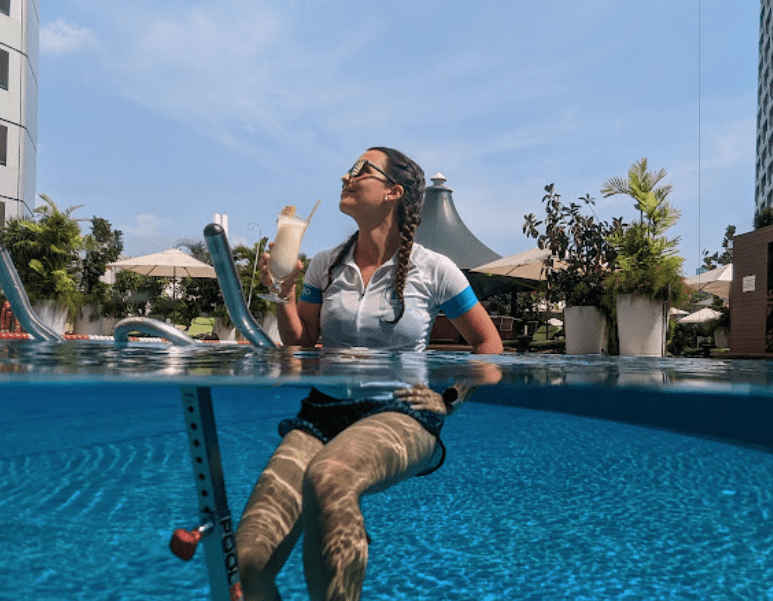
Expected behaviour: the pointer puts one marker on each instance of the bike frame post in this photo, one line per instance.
(219, 540)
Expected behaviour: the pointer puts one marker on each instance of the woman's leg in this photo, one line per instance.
(269, 527)
(369, 456)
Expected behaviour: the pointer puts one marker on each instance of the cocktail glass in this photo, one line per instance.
(284, 252)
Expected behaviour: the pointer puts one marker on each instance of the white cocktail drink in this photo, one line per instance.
(283, 258)
(287, 246)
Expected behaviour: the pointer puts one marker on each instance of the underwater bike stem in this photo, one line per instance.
(216, 529)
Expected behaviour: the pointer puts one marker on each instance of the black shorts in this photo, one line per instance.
(324, 417)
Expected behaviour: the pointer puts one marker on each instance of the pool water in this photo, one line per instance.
(530, 504)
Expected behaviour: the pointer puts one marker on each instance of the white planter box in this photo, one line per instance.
(585, 329)
(108, 325)
(721, 337)
(641, 326)
(52, 314)
(222, 331)
(88, 321)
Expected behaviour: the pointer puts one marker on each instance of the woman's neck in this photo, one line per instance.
(376, 246)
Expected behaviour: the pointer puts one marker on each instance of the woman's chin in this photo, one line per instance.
(345, 206)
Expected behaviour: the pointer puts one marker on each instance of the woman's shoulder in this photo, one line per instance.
(327, 256)
(426, 258)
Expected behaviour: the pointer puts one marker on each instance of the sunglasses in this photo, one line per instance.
(361, 164)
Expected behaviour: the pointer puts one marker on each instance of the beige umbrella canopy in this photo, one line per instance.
(702, 316)
(527, 265)
(716, 282)
(172, 263)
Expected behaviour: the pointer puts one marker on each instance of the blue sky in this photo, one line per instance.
(156, 115)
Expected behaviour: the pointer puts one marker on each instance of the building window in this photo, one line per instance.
(3, 145)
(3, 69)
(5, 7)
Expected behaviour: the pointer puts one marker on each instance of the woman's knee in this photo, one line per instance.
(253, 553)
(328, 481)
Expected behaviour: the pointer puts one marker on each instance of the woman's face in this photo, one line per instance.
(369, 191)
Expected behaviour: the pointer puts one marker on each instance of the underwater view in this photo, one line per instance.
(530, 503)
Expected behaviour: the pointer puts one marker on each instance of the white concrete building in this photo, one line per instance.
(763, 190)
(19, 30)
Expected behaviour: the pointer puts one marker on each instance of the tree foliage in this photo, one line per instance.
(763, 218)
(199, 296)
(726, 256)
(580, 241)
(45, 252)
(102, 246)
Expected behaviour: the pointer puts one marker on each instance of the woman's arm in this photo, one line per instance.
(298, 321)
(479, 331)
(476, 374)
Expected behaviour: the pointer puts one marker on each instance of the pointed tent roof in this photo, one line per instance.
(443, 230)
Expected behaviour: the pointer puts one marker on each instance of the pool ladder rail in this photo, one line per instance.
(227, 278)
(11, 284)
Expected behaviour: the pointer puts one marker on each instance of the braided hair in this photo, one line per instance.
(411, 177)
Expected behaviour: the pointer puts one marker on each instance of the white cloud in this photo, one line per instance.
(145, 225)
(60, 37)
(149, 233)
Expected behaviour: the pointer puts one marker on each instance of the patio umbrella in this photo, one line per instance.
(526, 265)
(172, 263)
(702, 316)
(716, 282)
(675, 313)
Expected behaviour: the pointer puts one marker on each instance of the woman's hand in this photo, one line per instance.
(422, 398)
(287, 286)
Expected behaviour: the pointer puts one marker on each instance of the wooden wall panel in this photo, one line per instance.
(748, 310)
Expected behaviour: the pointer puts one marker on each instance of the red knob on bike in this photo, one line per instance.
(183, 543)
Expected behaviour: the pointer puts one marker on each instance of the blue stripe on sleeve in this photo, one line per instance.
(311, 295)
(460, 304)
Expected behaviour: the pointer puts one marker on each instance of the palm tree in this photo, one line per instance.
(647, 260)
(651, 199)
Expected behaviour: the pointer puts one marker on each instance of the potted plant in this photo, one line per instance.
(45, 252)
(580, 244)
(647, 276)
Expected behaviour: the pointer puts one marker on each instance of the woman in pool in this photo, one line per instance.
(379, 290)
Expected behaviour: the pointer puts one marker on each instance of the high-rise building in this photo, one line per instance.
(19, 29)
(763, 191)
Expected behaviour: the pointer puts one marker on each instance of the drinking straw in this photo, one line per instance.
(314, 209)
